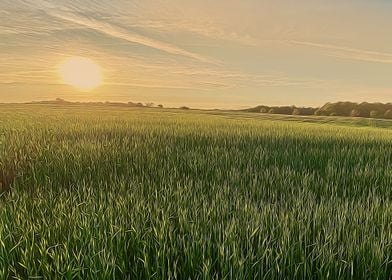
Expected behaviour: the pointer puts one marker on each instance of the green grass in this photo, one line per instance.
(105, 193)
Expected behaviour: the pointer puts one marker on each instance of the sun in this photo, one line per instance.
(80, 72)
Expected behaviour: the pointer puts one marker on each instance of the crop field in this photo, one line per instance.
(105, 192)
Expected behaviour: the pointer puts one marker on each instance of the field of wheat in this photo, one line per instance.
(102, 192)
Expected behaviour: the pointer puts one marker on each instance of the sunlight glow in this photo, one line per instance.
(80, 72)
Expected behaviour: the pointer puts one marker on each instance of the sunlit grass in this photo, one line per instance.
(144, 193)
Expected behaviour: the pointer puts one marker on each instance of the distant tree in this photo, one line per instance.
(271, 111)
(355, 113)
(283, 110)
(339, 108)
(296, 111)
(307, 111)
(160, 106)
(364, 109)
(184, 108)
(318, 112)
(150, 104)
(374, 114)
(388, 114)
(263, 110)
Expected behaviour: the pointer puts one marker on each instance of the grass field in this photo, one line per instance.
(100, 193)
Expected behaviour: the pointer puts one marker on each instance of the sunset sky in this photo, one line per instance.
(221, 53)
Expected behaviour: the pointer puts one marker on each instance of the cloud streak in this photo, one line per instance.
(121, 33)
(349, 53)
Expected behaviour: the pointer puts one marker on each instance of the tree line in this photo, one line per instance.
(60, 101)
(344, 109)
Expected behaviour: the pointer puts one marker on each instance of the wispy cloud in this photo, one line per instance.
(208, 29)
(121, 33)
(349, 53)
(78, 13)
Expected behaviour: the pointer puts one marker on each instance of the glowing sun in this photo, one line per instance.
(80, 72)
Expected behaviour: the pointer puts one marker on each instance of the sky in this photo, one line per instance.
(206, 54)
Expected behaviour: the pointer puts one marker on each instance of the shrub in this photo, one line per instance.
(355, 113)
(374, 114)
(296, 112)
(388, 114)
(263, 110)
(271, 111)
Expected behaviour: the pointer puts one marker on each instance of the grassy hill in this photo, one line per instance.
(100, 192)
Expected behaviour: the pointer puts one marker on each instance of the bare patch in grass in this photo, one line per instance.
(7, 177)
